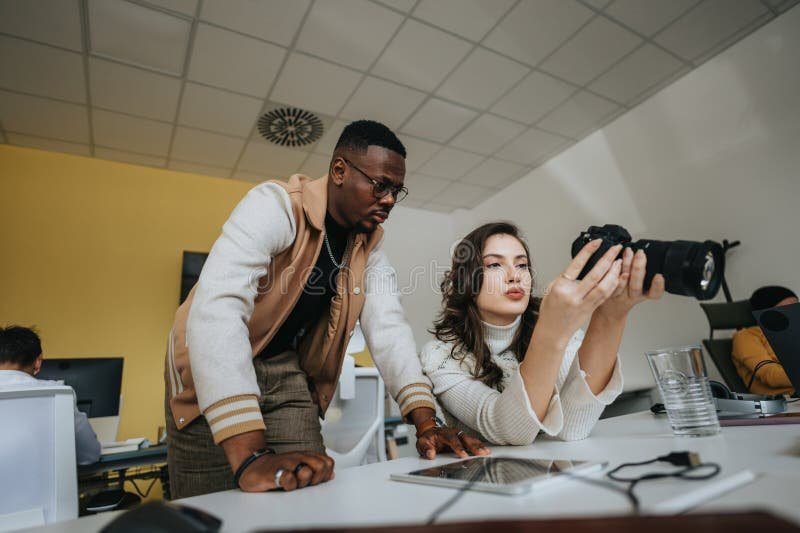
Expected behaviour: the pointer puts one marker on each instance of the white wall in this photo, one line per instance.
(418, 243)
(715, 155)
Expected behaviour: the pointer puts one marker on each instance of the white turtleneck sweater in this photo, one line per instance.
(503, 415)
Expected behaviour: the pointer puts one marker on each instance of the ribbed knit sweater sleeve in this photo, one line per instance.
(260, 227)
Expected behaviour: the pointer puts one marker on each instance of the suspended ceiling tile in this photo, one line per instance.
(450, 163)
(708, 24)
(438, 120)
(41, 117)
(531, 145)
(439, 208)
(493, 173)
(252, 72)
(135, 34)
(529, 101)
(328, 31)
(487, 134)
(313, 84)
(217, 110)
(42, 70)
(434, 53)
(470, 19)
(482, 78)
(272, 20)
(133, 90)
(327, 143)
(422, 188)
(51, 145)
(128, 157)
(57, 23)
(577, 115)
(186, 7)
(636, 73)
(133, 134)
(272, 160)
(206, 148)
(595, 48)
(463, 195)
(315, 166)
(532, 30)
(382, 101)
(402, 5)
(418, 152)
(648, 16)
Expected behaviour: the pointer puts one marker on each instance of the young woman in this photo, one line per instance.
(506, 365)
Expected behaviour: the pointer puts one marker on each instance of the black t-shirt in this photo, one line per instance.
(317, 293)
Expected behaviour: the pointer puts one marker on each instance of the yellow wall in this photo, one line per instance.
(90, 253)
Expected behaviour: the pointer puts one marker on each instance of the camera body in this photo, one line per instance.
(690, 268)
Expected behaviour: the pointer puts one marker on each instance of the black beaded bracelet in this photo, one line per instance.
(247, 462)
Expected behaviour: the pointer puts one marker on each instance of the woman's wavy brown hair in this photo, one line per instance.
(459, 322)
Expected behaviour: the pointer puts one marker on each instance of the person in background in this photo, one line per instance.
(20, 362)
(756, 363)
(506, 365)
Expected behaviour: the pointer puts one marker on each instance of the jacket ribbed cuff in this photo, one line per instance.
(413, 396)
(233, 416)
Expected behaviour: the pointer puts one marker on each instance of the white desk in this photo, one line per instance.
(365, 495)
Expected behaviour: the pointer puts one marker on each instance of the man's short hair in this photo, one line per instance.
(769, 296)
(19, 346)
(362, 134)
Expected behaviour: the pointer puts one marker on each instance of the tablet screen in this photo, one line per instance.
(497, 470)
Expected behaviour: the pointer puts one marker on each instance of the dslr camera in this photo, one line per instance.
(690, 268)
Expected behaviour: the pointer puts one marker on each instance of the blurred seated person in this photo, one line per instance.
(20, 361)
(756, 363)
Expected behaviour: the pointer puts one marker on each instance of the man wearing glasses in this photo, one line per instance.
(257, 347)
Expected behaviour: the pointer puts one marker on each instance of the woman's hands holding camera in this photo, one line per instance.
(629, 291)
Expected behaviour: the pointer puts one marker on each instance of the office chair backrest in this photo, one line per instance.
(726, 316)
(38, 473)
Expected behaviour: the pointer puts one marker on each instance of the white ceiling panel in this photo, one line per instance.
(314, 84)
(533, 29)
(450, 163)
(418, 152)
(487, 134)
(272, 20)
(382, 101)
(481, 79)
(420, 56)
(44, 118)
(708, 24)
(636, 73)
(597, 4)
(648, 16)
(133, 90)
(251, 72)
(42, 70)
(51, 145)
(531, 146)
(533, 98)
(138, 35)
(439, 208)
(402, 5)
(578, 115)
(327, 142)
(438, 120)
(127, 157)
(186, 7)
(217, 110)
(272, 160)
(194, 168)
(316, 165)
(422, 188)
(463, 195)
(470, 19)
(206, 148)
(598, 45)
(57, 23)
(133, 134)
(329, 31)
(493, 173)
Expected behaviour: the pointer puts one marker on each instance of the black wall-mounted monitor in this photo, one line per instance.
(97, 382)
(190, 272)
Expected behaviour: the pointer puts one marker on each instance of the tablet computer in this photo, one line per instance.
(503, 475)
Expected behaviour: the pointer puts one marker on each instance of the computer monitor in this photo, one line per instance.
(97, 382)
(190, 271)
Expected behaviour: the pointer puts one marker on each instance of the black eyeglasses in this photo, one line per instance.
(380, 188)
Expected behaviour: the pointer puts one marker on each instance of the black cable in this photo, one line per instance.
(138, 490)
(758, 367)
(453, 499)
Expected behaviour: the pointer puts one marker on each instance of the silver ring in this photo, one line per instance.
(278, 473)
(460, 434)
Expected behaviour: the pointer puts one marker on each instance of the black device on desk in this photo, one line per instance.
(97, 382)
(781, 327)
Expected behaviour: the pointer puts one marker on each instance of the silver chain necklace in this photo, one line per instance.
(330, 253)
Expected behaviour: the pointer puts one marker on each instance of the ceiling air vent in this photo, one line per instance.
(289, 126)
